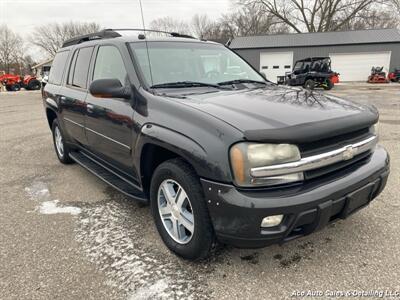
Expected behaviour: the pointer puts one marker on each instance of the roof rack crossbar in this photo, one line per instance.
(112, 33)
(173, 34)
(104, 34)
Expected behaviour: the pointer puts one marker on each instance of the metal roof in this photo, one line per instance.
(371, 36)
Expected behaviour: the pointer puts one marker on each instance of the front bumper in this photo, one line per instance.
(237, 214)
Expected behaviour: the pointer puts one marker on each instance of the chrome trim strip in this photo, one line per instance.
(73, 122)
(317, 161)
(108, 138)
(52, 102)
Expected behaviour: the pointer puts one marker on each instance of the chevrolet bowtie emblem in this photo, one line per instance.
(349, 152)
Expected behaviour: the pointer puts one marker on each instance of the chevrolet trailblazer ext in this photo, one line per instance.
(220, 153)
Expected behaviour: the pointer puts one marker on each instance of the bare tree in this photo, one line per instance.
(169, 24)
(252, 19)
(11, 48)
(246, 20)
(374, 18)
(396, 4)
(314, 15)
(201, 24)
(50, 37)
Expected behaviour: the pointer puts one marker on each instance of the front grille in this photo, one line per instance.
(332, 143)
(359, 160)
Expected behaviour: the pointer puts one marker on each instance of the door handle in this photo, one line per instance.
(89, 107)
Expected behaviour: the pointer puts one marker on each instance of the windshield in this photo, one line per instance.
(187, 61)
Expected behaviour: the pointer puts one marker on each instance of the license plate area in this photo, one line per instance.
(359, 198)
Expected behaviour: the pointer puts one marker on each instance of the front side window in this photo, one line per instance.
(187, 61)
(57, 67)
(80, 67)
(109, 65)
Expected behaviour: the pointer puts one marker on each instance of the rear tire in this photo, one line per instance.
(309, 84)
(61, 148)
(328, 85)
(181, 179)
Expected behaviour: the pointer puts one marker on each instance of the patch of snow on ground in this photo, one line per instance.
(51, 208)
(39, 191)
(113, 236)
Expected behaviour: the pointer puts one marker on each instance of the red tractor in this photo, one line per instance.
(11, 82)
(31, 83)
(14, 83)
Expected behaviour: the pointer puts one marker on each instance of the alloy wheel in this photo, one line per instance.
(175, 211)
(59, 141)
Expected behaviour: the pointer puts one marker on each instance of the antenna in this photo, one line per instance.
(145, 40)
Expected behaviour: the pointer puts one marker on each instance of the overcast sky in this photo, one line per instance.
(23, 15)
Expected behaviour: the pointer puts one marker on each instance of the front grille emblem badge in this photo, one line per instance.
(349, 152)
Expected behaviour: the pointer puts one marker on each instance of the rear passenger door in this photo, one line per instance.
(74, 94)
(109, 121)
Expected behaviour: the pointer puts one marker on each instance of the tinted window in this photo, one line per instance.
(57, 68)
(82, 67)
(109, 64)
(71, 68)
(165, 62)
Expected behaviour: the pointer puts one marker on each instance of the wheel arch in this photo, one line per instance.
(51, 116)
(157, 144)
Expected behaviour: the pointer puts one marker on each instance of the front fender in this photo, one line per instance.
(184, 146)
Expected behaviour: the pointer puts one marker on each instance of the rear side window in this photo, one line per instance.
(57, 67)
(109, 64)
(80, 67)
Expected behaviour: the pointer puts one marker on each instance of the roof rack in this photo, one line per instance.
(112, 33)
(104, 34)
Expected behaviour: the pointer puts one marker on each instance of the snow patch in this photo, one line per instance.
(156, 290)
(113, 235)
(51, 208)
(39, 191)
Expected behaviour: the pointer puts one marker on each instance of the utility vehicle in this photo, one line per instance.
(313, 72)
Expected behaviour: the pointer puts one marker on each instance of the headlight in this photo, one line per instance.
(245, 156)
(374, 129)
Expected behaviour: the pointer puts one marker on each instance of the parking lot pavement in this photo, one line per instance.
(64, 234)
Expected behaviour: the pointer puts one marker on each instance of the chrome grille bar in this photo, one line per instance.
(316, 161)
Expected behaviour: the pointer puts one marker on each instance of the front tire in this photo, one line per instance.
(33, 85)
(328, 85)
(61, 148)
(13, 88)
(180, 211)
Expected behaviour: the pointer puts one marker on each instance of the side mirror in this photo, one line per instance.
(109, 88)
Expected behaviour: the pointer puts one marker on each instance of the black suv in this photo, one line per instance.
(219, 153)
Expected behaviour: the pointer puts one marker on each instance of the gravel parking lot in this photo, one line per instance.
(64, 234)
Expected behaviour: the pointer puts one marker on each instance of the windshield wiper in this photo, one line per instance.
(241, 81)
(183, 84)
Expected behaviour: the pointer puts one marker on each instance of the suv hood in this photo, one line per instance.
(278, 114)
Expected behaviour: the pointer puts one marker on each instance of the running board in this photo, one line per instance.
(108, 176)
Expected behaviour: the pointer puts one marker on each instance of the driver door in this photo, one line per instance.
(109, 121)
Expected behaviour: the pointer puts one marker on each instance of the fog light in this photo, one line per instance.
(272, 221)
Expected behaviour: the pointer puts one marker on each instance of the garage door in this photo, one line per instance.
(357, 66)
(275, 64)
